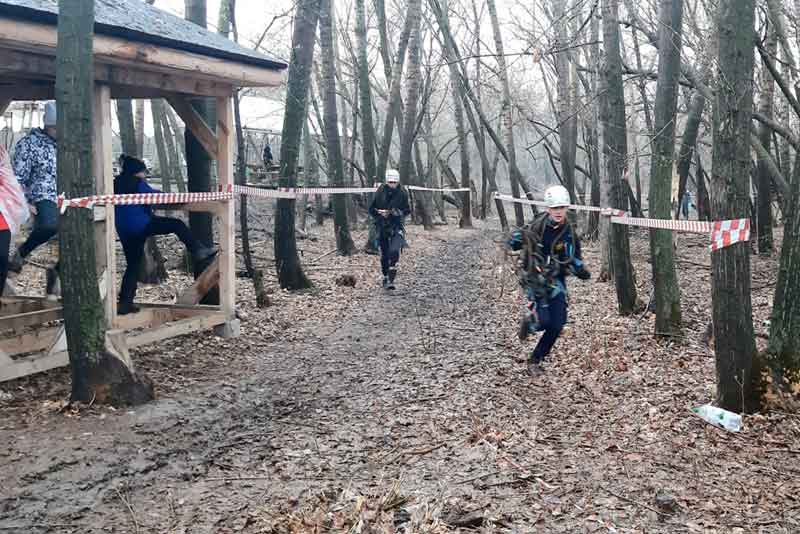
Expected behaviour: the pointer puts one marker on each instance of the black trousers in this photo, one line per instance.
(390, 255)
(134, 251)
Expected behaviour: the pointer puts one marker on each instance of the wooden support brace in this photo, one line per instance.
(204, 283)
(195, 123)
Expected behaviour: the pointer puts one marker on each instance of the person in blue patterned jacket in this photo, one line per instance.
(34, 164)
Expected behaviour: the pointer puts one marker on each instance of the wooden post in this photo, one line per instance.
(227, 249)
(105, 235)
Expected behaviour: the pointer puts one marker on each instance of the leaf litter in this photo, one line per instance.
(351, 409)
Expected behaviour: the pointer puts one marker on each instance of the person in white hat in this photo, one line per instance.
(388, 209)
(35, 166)
(549, 251)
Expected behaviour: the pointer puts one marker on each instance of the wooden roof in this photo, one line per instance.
(140, 51)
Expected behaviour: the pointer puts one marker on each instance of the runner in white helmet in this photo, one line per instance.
(550, 250)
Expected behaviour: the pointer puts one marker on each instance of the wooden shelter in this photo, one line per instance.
(139, 52)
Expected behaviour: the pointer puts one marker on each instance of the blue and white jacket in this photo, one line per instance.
(35, 166)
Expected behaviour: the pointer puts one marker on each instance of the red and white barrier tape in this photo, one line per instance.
(141, 199)
(727, 233)
(722, 233)
(438, 189)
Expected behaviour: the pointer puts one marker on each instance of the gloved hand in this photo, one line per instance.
(581, 272)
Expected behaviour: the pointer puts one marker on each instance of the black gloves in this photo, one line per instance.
(581, 272)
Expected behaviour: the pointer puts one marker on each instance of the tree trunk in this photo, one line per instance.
(567, 119)
(139, 127)
(344, 243)
(783, 351)
(365, 94)
(393, 112)
(480, 135)
(198, 162)
(665, 279)
(407, 175)
(157, 111)
(453, 60)
(287, 260)
(127, 131)
(730, 281)
(458, 115)
(177, 146)
(506, 112)
(693, 120)
(99, 373)
(615, 151)
(763, 174)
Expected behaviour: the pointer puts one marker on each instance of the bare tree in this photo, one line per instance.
(344, 243)
(665, 279)
(99, 372)
(615, 151)
(730, 282)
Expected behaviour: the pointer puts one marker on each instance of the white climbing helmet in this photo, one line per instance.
(392, 176)
(556, 196)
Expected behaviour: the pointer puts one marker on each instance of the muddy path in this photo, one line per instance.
(410, 411)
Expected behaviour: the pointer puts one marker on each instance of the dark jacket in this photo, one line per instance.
(394, 199)
(131, 221)
(549, 250)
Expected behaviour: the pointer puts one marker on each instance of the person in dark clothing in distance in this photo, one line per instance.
(267, 156)
(136, 223)
(550, 252)
(388, 209)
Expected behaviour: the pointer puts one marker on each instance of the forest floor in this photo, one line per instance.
(346, 409)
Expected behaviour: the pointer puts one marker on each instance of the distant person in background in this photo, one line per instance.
(267, 156)
(389, 209)
(135, 223)
(35, 167)
(686, 203)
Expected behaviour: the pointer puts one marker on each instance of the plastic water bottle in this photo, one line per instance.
(718, 417)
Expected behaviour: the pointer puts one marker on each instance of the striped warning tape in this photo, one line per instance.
(438, 189)
(722, 233)
(142, 199)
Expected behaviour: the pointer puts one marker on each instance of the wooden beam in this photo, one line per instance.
(21, 320)
(37, 341)
(126, 82)
(227, 233)
(39, 38)
(104, 231)
(33, 364)
(177, 328)
(146, 318)
(17, 305)
(196, 124)
(204, 283)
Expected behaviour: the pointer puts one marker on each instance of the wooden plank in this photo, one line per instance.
(227, 239)
(16, 305)
(203, 207)
(207, 280)
(21, 320)
(146, 318)
(177, 328)
(195, 123)
(35, 79)
(104, 231)
(42, 38)
(33, 364)
(37, 341)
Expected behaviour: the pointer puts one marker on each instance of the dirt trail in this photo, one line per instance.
(420, 393)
